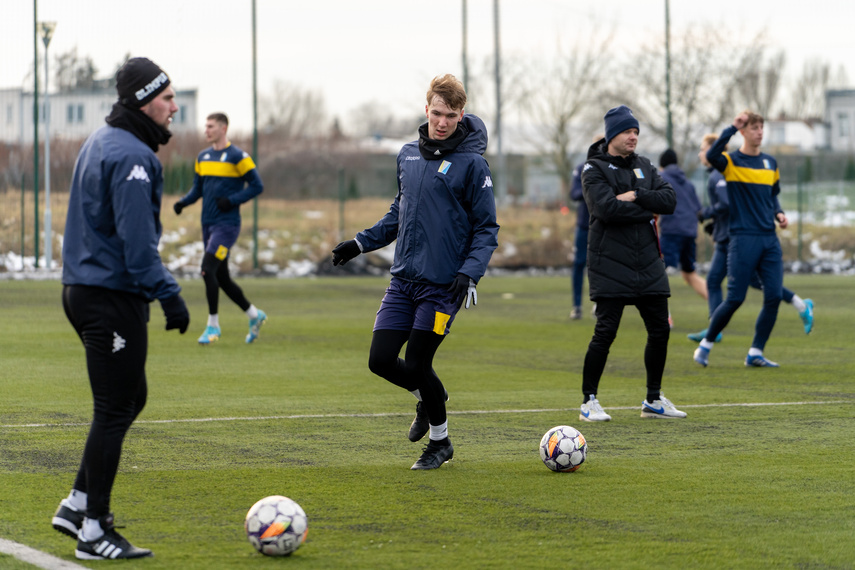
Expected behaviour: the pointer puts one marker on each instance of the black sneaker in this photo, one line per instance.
(421, 423)
(434, 455)
(67, 519)
(110, 546)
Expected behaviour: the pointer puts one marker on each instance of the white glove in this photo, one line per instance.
(471, 295)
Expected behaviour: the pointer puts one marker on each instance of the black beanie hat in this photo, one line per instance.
(618, 120)
(667, 158)
(139, 81)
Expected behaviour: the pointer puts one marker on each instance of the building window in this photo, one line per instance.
(69, 114)
(80, 113)
(843, 125)
(182, 114)
(9, 114)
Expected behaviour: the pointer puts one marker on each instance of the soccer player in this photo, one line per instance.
(717, 211)
(111, 271)
(225, 178)
(624, 191)
(679, 231)
(752, 179)
(444, 221)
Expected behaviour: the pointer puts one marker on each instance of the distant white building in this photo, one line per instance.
(796, 136)
(840, 116)
(75, 114)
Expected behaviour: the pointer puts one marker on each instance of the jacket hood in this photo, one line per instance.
(676, 173)
(599, 151)
(476, 140)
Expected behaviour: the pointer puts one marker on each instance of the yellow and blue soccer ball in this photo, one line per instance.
(563, 449)
(276, 526)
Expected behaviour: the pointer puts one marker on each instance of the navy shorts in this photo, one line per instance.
(219, 240)
(416, 306)
(679, 251)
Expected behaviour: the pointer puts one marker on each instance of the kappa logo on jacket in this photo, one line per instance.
(488, 182)
(138, 173)
(118, 342)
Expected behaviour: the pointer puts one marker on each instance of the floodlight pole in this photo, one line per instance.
(46, 31)
(36, 129)
(254, 142)
(502, 188)
(465, 54)
(669, 127)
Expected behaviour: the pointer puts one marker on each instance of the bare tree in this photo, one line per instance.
(807, 97)
(707, 69)
(760, 82)
(558, 98)
(293, 112)
(74, 72)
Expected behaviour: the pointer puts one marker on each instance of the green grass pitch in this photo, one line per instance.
(298, 413)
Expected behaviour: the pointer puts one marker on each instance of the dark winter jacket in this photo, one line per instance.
(444, 215)
(718, 209)
(576, 195)
(624, 259)
(113, 223)
(684, 221)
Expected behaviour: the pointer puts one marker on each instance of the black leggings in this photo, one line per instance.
(654, 312)
(415, 371)
(216, 276)
(114, 330)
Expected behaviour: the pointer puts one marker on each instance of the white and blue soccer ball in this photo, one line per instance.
(563, 449)
(276, 526)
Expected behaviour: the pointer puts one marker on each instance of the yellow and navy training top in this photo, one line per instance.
(753, 185)
(228, 173)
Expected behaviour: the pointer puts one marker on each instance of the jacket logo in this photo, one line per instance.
(206, 156)
(223, 157)
(587, 166)
(613, 167)
(638, 173)
(138, 173)
(444, 166)
(766, 164)
(118, 342)
(437, 153)
(488, 182)
(412, 158)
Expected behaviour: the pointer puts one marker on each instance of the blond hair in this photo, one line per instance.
(449, 89)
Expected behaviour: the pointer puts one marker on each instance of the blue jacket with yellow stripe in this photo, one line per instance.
(753, 184)
(444, 215)
(229, 173)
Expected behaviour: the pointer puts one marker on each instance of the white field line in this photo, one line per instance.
(400, 414)
(36, 557)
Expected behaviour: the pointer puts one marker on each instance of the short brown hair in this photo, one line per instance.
(449, 89)
(709, 139)
(219, 117)
(753, 117)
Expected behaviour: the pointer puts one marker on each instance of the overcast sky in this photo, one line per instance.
(381, 51)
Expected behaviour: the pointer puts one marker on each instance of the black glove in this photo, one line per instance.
(700, 217)
(345, 251)
(709, 228)
(224, 204)
(176, 313)
(463, 289)
(177, 206)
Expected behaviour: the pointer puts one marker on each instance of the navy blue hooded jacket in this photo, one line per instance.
(113, 224)
(444, 215)
(684, 221)
(582, 213)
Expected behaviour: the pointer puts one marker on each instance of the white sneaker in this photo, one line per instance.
(592, 411)
(661, 408)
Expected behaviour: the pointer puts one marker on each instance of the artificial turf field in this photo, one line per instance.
(759, 475)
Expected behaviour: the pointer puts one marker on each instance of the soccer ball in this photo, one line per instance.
(563, 449)
(276, 526)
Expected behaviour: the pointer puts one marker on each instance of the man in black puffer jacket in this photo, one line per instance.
(624, 191)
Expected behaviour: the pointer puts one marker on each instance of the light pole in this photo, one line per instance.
(46, 31)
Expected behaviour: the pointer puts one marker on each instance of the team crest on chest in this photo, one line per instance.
(444, 166)
(638, 173)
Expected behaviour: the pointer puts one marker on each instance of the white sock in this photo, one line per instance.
(417, 394)
(755, 352)
(252, 312)
(439, 432)
(798, 304)
(91, 530)
(706, 344)
(214, 321)
(78, 499)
